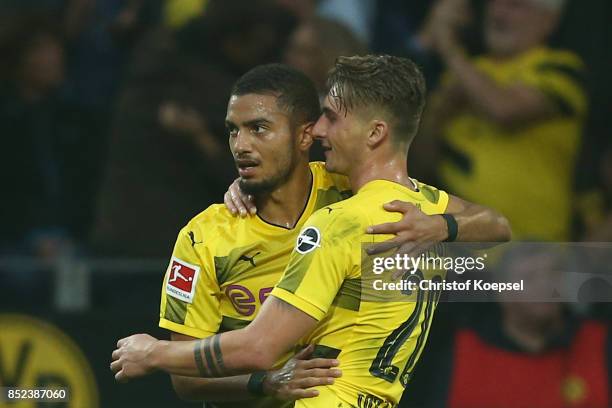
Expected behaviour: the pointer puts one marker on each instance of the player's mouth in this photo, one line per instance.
(246, 167)
(326, 150)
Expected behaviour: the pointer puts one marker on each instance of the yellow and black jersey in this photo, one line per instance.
(525, 172)
(377, 342)
(223, 267)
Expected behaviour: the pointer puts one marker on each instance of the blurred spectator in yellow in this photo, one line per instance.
(510, 120)
(315, 45)
(520, 352)
(177, 13)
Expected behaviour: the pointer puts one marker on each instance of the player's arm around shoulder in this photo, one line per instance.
(478, 223)
(209, 389)
(295, 380)
(464, 222)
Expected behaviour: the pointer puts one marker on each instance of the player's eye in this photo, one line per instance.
(258, 129)
(329, 115)
(233, 132)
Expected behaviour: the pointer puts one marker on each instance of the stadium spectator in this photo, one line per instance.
(358, 15)
(401, 28)
(42, 174)
(315, 45)
(238, 34)
(300, 9)
(98, 37)
(177, 13)
(509, 120)
(519, 353)
(101, 36)
(167, 153)
(156, 170)
(313, 48)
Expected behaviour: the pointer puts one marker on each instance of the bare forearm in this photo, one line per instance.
(254, 348)
(488, 97)
(212, 389)
(176, 358)
(208, 145)
(209, 389)
(481, 224)
(228, 354)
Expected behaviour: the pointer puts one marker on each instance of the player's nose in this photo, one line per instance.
(319, 130)
(242, 143)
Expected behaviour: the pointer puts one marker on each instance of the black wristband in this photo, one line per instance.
(453, 228)
(255, 384)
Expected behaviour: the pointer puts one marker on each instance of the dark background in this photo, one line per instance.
(103, 106)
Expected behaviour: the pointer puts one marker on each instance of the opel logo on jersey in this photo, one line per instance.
(308, 240)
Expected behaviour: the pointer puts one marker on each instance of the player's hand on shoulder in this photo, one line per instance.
(238, 202)
(131, 359)
(414, 233)
(296, 379)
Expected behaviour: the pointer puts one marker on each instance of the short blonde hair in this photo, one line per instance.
(386, 82)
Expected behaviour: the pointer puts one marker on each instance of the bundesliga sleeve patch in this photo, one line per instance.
(182, 280)
(308, 240)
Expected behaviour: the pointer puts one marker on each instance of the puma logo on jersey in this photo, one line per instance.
(192, 238)
(329, 209)
(249, 259)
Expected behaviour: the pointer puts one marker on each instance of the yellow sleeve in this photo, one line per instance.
(560, 75)
(189, 297)
(324, 255)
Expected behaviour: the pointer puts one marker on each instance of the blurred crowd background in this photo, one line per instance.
(112, 124)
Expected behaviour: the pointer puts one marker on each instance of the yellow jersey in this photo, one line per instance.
(223, 267)
(377, 342)
(525, 172)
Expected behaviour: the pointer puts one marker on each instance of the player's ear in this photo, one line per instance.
(378, 132)
(305, 136)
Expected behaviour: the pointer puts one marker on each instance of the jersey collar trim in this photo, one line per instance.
(306, 210)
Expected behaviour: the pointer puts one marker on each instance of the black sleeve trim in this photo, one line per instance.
(577, 75)
(561, 104)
